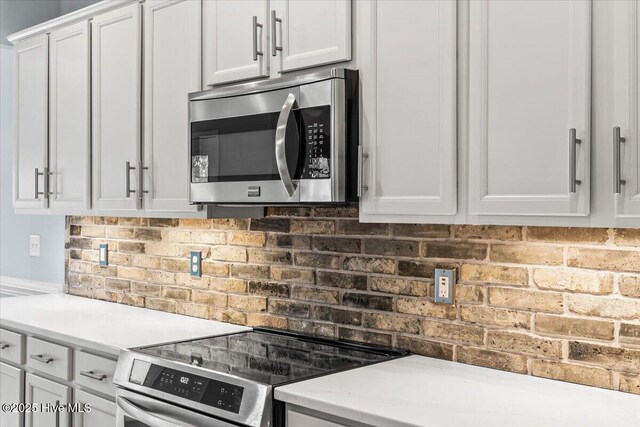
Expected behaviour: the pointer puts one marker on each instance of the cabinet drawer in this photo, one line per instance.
(11, 346)
(95, 372)
(49, 358)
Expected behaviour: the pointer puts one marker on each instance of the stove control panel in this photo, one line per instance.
(207, 391)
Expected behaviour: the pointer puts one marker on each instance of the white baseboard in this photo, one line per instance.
(17, 287)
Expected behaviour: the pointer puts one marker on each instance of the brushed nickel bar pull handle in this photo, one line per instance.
(573, 142)
(361, 156)
(274, 34)
(93, 375)
(4, 345)
(37, 191)
(41, 358)
(47, 186)
(617, 181)
(256, 52)
(127, 179)
(141, 179)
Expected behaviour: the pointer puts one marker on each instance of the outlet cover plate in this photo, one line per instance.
(104, 254)
(444, 277)
(195, 264)
(34, 245)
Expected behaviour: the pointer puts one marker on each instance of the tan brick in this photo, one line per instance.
(527, 254)
(365, 336)
(116, 258)
(308, 259)
(145, 289)
(426, 308)
(487, 232)
(231, 285)
(184, 251)
(144, 261)
(418, 288)
(453, 332)
(313, 226)
(162, 277)
(469, 294)
(161, 249)
(186, 279)
(126, 221)
(289, 308)
(310, 327)
(630, 333)
(425, 347)
(455, 250)
(298, 275)
(494, 274)
(231, 316)
(420, 230)
(573, 280)
(176, 235)
(523, 343)
(390, 322)
(92, 256)
(623, 359)
(395, 248)
(574, 327)
(314, 294)
(501, 317)
(229, 253)
(362, 228)
(131, 247)
(570, 372)
(93, 231)
(603, 259)
(422, 269)
(210, 298)
(117, 284)
(105, 271)
(521, 299)
(134, 300)
(367, 301)
(625, 236)
(336, 212)
(248, 303)
(338, 244)
(193, 310)
(132, 273)
(492, 359)
(173, 264)
(209, 237)
(590, 305)
(119, 232)
(256, 319)
(160, 304)
(147, 234)
(194, 223)
(163, 222)
(247, 238)
(369, 265)
(176, 293)
(260, 256)
(630, 383)
(215, 268)
(630, 286)
(80, 267)
(230, 224)
(567, 234)
(244, 271)
(103, 294)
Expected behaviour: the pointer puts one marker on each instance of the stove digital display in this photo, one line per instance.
(193, 387)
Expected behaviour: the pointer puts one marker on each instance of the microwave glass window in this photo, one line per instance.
(242, 148)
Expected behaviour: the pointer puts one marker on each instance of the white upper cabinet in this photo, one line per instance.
(172, 69)
(69, 126)
(30, 178)
(235, 40)
(626, 154)
(307, 33)
(407, 58)
(529, 112)
(116, 81)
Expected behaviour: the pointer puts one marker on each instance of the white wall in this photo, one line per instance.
(15, 229)
(67, 6)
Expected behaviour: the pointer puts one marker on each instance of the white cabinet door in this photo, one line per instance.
(102, 414)
(69, 127)
(116, 80)
(172, 69)
(626, 63)
(235, 40)
(307, 33)
(11, 391)
(30, 147)
(530, 68)
(45, 392)
(408, 107)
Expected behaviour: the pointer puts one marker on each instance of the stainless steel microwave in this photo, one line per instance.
(280, 142)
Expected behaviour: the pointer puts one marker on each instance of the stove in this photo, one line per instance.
(227, 380)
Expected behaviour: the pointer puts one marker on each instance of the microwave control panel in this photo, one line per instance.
(317, 133)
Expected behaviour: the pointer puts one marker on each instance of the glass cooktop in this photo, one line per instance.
(270, 357)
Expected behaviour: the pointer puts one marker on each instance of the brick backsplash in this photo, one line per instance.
(561, 303)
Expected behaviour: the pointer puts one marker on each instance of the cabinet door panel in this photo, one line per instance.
(627, 96)
(103, 412)
(409, 107)
(44, 392)
(528, 88)
(311, 33)
(69, 134)
(11, 391)
(229, 40)
(116, 59)
(172, 70)
(30, 146)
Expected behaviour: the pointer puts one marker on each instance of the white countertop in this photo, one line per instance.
(420, 391)
(100, 325)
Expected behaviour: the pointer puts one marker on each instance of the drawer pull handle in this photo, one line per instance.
(4, 345)
(41, 358)
(93, 375)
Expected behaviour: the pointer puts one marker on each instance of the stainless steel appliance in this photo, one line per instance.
(286, 141)
(226, 380)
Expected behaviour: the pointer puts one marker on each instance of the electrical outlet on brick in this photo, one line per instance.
(445, 280)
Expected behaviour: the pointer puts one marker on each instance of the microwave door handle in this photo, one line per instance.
(143, 416)
(281, 145)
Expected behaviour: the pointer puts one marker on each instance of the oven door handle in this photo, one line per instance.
(281, 145)
(143, 416)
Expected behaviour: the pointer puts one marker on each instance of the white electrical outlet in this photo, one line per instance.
(34, 245)
(443, 287)
(445, 281)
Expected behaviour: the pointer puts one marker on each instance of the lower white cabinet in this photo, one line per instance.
(102, 414)
(44, 392)
(11, 391)
(299, 418)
